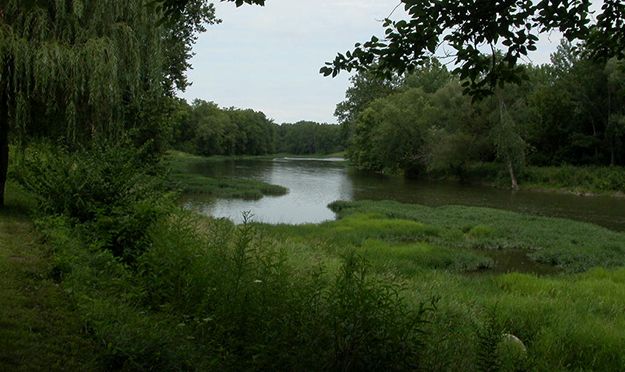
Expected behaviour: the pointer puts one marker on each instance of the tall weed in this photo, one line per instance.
(240, 298)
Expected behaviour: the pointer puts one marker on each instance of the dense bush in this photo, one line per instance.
(243, 301)
(107, 188)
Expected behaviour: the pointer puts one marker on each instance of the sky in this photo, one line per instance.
(268, 58)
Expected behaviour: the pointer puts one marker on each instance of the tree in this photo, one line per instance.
(457, 133)
(307, 137)
(176, 7)
(508, 142)
(430, 76)
(365, 88)
(615, 130)
(256, 133)
(390, 134)
(471, 26)
(79, 71)
(181, 33)
(210, 124)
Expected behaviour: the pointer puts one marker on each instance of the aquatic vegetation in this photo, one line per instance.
(182, 178)
(572, 246)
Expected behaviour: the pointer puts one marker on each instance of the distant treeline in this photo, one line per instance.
(203, 128)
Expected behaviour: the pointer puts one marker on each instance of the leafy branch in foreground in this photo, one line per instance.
(470, 27)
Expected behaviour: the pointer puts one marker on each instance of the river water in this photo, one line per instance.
(313, 184)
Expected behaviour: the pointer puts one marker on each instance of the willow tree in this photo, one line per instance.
(80, 71)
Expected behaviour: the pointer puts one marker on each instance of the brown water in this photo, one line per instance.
(313, 184)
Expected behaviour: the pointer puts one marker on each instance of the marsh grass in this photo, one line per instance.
(569, 245)
(182, 178)
(568, 317)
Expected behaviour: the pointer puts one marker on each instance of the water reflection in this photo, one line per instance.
(313, 184)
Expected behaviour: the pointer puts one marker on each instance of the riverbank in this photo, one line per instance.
(566, 179)
(577, 180)
(185, 177)
(388, 285)
(555, 284)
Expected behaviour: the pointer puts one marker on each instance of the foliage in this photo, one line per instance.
(77, 72)
(174, 7)
(568, 112)
(309, 138)
(594, 179)
(56, 58)
(182, 30)
(106, 188)
(390, 134)
(262, 318)
(470, 26)
(204, 128)
(227, 297)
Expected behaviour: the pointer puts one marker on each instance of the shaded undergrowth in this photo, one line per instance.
(39, 328)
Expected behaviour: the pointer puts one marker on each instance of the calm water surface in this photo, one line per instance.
(313, 184)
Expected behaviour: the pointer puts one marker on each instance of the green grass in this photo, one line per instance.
(580, 180)
(567, 320)
(207, 295)
(572, 246)
(39, 329)
(182, 178)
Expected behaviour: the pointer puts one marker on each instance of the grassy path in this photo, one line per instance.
(38, 329)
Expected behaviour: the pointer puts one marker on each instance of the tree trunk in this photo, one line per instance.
(515, 184)
(612, 155)
(502, 108)
(4, 147)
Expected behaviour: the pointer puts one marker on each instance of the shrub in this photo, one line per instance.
(107, 188)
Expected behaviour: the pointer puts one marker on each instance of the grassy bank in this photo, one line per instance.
(387, 286)
(39, 329)
(183, 178)
(210, 295)
(581, 180)
(555, 284)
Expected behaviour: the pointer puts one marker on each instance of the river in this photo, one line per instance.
(314, 183)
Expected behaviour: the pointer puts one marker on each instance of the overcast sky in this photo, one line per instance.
(268, 58)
